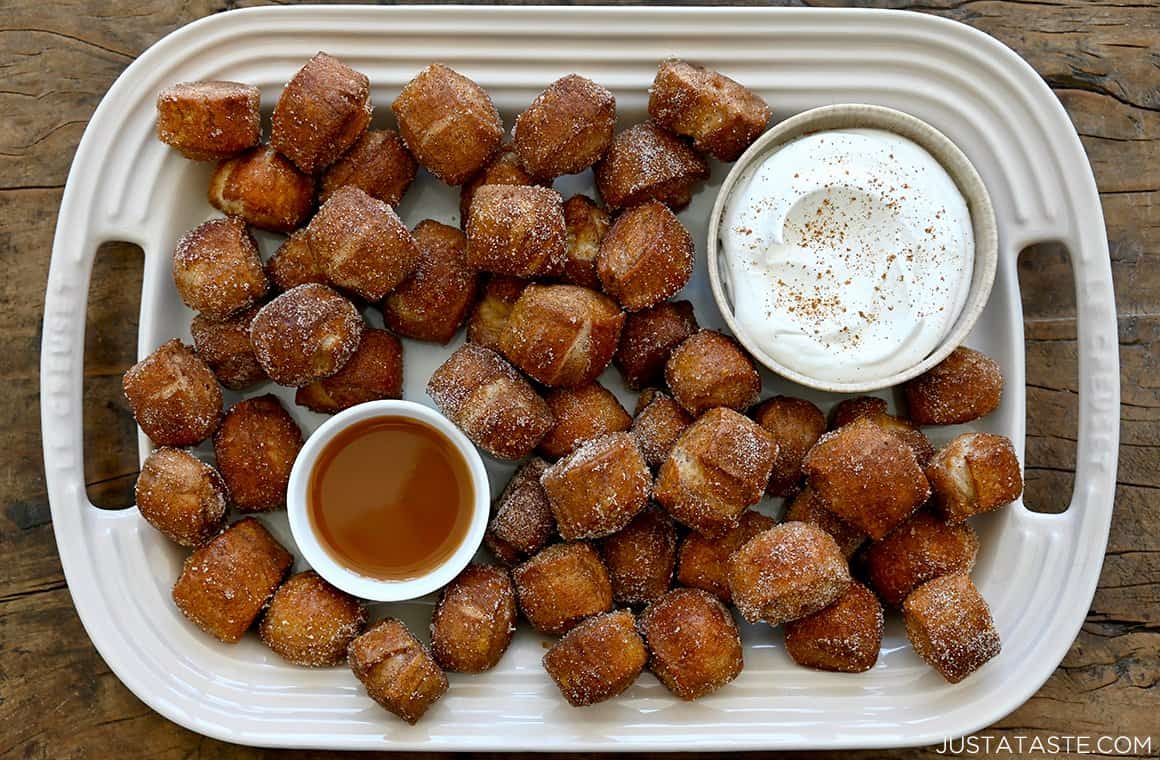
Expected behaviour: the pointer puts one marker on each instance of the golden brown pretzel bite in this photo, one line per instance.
(648, 339)
(598, 488)
(503, 169)
(226, 348)
(703, 562)
(806, 506)
(227, 581)
(722, 116)
(646, 163)
(474, 620)
(791, 570)
(640, 557)
(293, 264)
(962, 387)
(566, 129)
(920, 550)
(974, 473)
(562, 335)
(490, 402)
(709, 369)
(718, 467)
(217, 269)
(582, 413)
(848, 410)
(361, 244)
(374, 371)
(181, 496)
(908, 433)
(693, 642)
(255, 449)
(305, 334)
(657, 426)
(562, 585)
(950, 627)
(489, 317)
(448, 122)
(522, 521)
(585, 223)
(432, 303)
(378, 164)
(844, 637)
(264, 188)
(173, 396)
(209, 121)
(517, 230)
(311, 623)
(867, 476)
(321, 112)
(646, 257)
(597, 659)
(397, 670)
(796, 425)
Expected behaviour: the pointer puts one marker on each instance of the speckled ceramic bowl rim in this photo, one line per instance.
(970, 184)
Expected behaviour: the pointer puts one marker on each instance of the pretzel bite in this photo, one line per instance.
(504, 169)
(490, 315)
(307, 333)
(796, 425)
(562, 335)
(448, 122)
(598, 659)
(311, 623)
(646, 257)
(582, 413)
(851, 409)
(693, 642)
(791, 570)
(174, 396)
(293, 264)
(264, 188)
(321, 112)
(963, 387)
(181, 496)
(921, 549)
(844, 637)
(396, 670)
(432, 303)
(255, 449)
(562, 585)
(950, 627)
(807, 507)
(374, 371)
(225, 347)
(867, 476)
(517, 230)
(585, 223)
(521, 522)
(640, 557)
(217, 270)
(702, 562)
(378, 164)
(914, 438)
(361, 244)
(974, 473)
(474, 620)
(717, 468)
(648, 339)
(566, 129)
(709, 369)
(657, 426)
(225, 582)
(598, 488)
(645, 163)
(209, 121)
(490, 402)
(722, 116)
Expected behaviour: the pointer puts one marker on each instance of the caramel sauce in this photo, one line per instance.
(390, 498)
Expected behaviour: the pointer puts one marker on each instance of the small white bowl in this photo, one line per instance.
(958, 166)
(343, 577)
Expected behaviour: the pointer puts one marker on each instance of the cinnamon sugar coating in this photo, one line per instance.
(709, 369)
(657, 426)
(320, 114)
(598, 488)
(598, 659)
(521, 522)
(796, 425)
(640, 557)
(374, 371)
(310, 622)
(649, 338)
(586, 223)
(293, 264)
(378, 164)
(703, 562)
(263, 187)
(646, 256)
(473, 620)
(397, 670)
(950, 627)
(517, 230)
(844, 637)
(693, 642)
(566, 129)
(217, 269)
(181, 496)
(173, 396)
(807, 506)
(503, 169)
(306, 334)
(562, 585)
(489, 318)
(434, 300)
(975, 473)
(581, 413)
(920, 550)
(255, 448)
(209, 121)
(963, 387)
(646, 163)
(226, 348)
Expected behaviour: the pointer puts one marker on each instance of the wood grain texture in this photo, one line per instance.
(59, 700)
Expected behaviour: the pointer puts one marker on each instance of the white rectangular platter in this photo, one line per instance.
(1037, 571)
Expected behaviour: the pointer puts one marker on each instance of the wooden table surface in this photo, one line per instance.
(57, 697)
